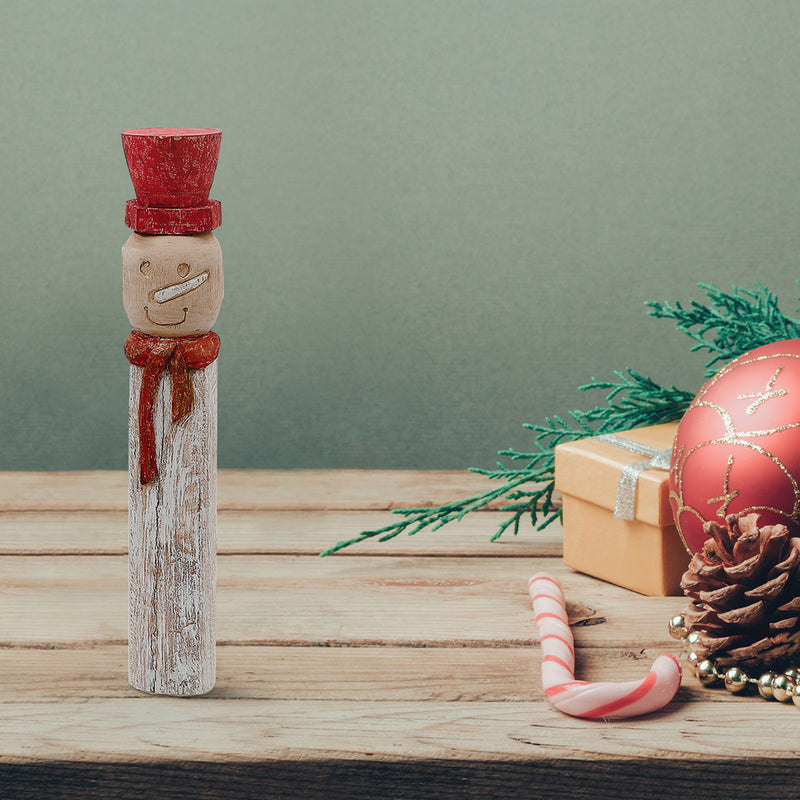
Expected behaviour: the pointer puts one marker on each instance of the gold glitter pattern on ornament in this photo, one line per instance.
(727, 495)
(767, 394)
(733, 437)
(680, 505)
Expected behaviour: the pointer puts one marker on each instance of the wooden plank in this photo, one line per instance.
(327, 673)
(251, 489)
(140, 729)
(275, 533)
(81, 600)
(373, 778)
(306, 720)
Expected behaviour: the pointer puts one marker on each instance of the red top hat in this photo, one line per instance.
(172, 170)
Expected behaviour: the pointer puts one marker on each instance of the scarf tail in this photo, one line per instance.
(148, 468)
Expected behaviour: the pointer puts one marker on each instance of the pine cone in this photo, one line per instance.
(745, 584)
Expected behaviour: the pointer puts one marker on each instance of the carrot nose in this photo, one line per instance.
(179, 289)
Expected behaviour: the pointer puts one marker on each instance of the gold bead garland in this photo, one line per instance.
(781, 686)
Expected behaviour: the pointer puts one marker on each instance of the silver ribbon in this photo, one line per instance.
(626, 489)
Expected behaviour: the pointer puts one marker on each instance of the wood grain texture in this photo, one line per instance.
(476, 778)
(251, 490)
(275, 533)
(287, 672)
(129, 730)
(305, 600)
(172, 544)
(387, 674)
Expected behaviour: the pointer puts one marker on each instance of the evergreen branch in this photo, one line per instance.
(633, 400)
(732, 323)
(416, 519)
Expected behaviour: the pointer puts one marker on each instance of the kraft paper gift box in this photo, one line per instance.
(645, 553)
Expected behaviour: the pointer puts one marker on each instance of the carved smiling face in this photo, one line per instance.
(172, 285)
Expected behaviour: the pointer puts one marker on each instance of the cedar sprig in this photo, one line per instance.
(732, 323)
(632, 400)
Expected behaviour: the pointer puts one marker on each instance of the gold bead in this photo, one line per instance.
(677, 627)
(692, 660)
(693, 638)
(782, 688)
(793, 673)
(707, 672)
(735, 680)
(765, 685)
(796, 695)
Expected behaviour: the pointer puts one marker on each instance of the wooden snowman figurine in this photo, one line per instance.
(172, 292)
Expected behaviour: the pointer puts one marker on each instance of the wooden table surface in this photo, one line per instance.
(401, 670)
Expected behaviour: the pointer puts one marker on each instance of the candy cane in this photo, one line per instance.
(583, 698)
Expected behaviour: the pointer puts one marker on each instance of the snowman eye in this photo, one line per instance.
(183, 270)
(144, 267)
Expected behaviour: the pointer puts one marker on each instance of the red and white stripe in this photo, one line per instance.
(583, 698)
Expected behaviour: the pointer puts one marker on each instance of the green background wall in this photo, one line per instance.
(439, 216)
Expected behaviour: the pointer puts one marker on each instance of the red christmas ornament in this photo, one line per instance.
(737, 449)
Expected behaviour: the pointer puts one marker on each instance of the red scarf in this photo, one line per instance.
(157, 354)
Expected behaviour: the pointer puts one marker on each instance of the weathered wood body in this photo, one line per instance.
(172, 544)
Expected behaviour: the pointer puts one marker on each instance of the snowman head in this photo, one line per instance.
(172, 285)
